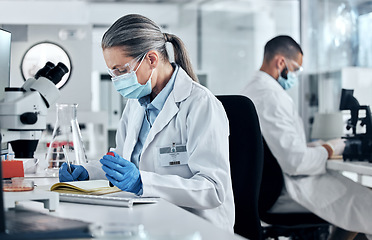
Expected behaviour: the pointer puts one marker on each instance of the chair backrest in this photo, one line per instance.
(272, 182)
(246, 161)
(295, 225)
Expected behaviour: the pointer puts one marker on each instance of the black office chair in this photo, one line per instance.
(246, 161)
(301, 226)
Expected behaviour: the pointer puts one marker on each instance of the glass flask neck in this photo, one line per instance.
(66, 111)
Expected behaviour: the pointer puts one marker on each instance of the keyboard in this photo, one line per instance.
(105, 200)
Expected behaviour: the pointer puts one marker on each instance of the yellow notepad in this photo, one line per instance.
(90, 187)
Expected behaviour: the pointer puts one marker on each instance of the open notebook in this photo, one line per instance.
(90, 187)
(97, 192)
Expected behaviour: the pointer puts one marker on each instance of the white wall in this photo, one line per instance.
(78, 88)
(79, 12)
(234, 36)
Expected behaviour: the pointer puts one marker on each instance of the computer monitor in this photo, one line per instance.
(5, 42)
(5, 39)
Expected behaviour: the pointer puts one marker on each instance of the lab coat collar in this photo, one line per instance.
(159, 100)
(182, 86)
(268, 79)
(181, 91)
(265, 75)
(136, 120)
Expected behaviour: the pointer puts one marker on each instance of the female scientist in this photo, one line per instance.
(172, 139)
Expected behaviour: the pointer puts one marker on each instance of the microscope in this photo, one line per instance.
(23, 114)
(358, 145)
(23, 110)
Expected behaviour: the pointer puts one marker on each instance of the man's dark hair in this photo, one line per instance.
(284, 45)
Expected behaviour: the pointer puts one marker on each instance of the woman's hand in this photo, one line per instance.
(122, 173)
(78, 173)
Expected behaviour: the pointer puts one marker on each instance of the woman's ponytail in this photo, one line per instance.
(181, 56)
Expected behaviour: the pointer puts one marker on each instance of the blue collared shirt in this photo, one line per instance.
(152, 110)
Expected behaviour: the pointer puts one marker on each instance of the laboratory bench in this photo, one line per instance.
(359, 168)
(160, 220)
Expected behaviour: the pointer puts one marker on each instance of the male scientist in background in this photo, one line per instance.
(309, 186)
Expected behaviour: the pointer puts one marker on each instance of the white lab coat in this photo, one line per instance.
(328, 194)
(191, 116)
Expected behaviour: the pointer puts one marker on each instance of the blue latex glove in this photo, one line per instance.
(122, 173)
(78, 173)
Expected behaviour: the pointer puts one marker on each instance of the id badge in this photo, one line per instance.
(173, 155)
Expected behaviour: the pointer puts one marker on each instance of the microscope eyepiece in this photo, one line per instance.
(43, 71)
(52, 72)
(55, 75)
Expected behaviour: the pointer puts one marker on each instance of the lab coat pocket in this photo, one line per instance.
(319, 191)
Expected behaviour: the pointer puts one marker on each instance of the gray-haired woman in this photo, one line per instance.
(172, 140)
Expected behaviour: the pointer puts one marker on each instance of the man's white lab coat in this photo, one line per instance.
(328, 194)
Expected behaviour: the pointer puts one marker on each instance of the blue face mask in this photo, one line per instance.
(128, 86)
(289, 82)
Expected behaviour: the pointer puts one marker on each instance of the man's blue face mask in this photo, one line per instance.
(289, 82)
(292, 77)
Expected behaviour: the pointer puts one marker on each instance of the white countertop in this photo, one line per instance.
(161, 220)
(359, 167)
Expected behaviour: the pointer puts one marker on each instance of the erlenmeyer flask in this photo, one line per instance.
(66, 133)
